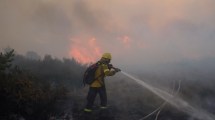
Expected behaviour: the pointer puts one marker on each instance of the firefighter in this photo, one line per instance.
(98, 85)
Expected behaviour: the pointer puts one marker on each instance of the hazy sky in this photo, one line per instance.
(136, 32)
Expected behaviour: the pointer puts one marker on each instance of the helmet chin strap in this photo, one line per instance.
(106, 62)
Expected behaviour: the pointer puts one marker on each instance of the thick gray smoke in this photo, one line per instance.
(137, 33)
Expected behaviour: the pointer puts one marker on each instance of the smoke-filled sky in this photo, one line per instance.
(136, 32)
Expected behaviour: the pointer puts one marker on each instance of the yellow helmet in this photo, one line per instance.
(106, 55)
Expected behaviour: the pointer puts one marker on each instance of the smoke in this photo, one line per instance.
(136, 32)
(173, 38)
(34, 25)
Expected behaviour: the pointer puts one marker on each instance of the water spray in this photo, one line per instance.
(177, 102)
(158, 110)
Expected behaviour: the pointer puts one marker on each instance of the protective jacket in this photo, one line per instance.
(102, 71)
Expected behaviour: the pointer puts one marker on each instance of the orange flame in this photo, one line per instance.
(85, 52)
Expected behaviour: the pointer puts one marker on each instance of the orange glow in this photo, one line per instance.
(85, 52)
(126, 41)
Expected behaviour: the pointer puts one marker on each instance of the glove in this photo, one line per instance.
(117, 69)
(110, 66)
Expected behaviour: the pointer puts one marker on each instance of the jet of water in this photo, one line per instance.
(177, 102)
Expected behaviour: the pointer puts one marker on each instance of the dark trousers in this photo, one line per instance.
(92, 95)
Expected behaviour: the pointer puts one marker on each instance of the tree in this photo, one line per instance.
(5, 60)
(32, 55)
(23, 94)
